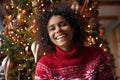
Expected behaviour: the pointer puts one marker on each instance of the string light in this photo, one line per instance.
(96, 38)
(26, 28)
(24, 44)
(84, 16)
(27, 4)
(89, 26)
(21, 29)
(19, 16)
(25, 21)
(105, 49)
(43, 10)
(101, 45)
(13, 38)
(29, 70)
(44, 53)
(21, 52)
(1, 52)
(13, 43)
(29, 77)
(31, 13)
(90, 9)
(7, 49)
(42, 5)
(29, 16)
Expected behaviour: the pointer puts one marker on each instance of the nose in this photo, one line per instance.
(58, 29)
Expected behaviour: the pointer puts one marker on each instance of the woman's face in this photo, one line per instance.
(60, 32)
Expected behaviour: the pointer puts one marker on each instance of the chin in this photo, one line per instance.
(62, 44)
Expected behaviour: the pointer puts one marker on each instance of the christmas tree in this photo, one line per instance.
(19, 22)
(16, 40)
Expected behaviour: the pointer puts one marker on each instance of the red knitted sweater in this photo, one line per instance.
(82, 63)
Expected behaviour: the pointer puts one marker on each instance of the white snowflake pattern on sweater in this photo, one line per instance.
(89, 75)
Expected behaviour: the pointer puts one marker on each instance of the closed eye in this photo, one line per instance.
(63, 23)
(51, 27)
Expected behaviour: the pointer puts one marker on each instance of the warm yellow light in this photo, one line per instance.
(3, 33)
(44, 53)
(13, 43)
(27, 4)
(101, 45)
(28, 44)
(84, 16)
(96, 38)
(28, 77)
(31, 13)
(90, 43)
(21, 42)
(20, 65)
(1, 52)
(42, 4)
(16, 34)
(29, 16)
(89, 26)
(7, 49)
(19, 9)
(24, 44)
(12, 32)
(25, 28)
(90, 8)
(21, 52)
(18, 30)
(30, 38)
(25, 21)
(29, 70)
(105, 49)
(18, 16)
(43, 10)
(21, 29)
(13, 38)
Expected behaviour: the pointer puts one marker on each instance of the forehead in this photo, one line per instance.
(56, 19)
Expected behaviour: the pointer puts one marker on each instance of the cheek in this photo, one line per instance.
(51, 36)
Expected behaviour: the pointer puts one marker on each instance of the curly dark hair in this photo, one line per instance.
(75, 20)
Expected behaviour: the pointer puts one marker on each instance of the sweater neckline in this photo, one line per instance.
(71, 54)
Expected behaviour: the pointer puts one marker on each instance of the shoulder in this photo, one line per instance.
(94, 49)
(92, 52)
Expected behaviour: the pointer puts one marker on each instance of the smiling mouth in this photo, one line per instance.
(60, 37)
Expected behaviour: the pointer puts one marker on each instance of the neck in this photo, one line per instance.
(67, 48)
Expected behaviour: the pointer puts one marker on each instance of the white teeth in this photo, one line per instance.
(60, 37)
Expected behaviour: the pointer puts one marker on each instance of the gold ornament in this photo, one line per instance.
(20, 18)
(8, 7)
(76, 7)
(24, 11)
(28, 51)
(35, 3)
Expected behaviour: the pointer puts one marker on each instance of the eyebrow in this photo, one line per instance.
(57, 23)
(50, 25)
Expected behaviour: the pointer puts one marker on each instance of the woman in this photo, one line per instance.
(61, 37)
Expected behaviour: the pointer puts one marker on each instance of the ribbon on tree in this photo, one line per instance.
(35, 49)
(84, 5)
(6, 66)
